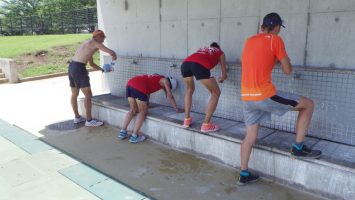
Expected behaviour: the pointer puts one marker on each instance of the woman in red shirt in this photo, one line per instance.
(199, 65)
(138, 90)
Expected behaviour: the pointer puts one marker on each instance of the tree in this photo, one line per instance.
(12, 8)
(43, 16)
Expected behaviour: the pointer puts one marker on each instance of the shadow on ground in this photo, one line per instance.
(66, 125)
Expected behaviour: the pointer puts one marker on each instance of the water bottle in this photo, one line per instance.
(106, 68)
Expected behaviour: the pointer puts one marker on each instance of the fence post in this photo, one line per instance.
(31, 24)
(74, 17)
(61, 14)
(21, 26)
(0, 27)
(88, 17)
(51, 25)
(11, 26)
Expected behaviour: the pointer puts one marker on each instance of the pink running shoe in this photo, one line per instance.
(187, 122)
(209, 127)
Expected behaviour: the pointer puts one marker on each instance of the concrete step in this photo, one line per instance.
(4, 80)
(333, 175)
(2, 75)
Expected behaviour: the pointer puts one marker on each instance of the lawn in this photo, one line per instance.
(42, 54)
(12, 46)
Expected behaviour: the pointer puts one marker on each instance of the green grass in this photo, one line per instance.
(12, 46)
(58, 61)
(42, 70)
(59, 50)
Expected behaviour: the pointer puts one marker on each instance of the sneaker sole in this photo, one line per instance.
(137, 141)
(209, 131)
(79, 122)
(122, 138)
(134, 142)
(305, 157)
(93, 126)
(243, 184)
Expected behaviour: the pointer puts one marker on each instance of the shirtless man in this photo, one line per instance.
(79, 76)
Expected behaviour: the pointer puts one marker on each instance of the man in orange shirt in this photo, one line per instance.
(261, 98)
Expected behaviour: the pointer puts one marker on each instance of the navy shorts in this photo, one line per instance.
(131, 92)
(189, 69)
(78, 75)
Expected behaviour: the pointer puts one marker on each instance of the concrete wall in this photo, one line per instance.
(151, 35)
(319, 33)
(333, 92)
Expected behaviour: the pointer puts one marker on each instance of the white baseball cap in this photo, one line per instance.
(173, 83)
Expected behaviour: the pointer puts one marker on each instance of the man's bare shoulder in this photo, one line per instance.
(90, 43)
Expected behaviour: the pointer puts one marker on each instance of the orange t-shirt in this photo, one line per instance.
(259, 57)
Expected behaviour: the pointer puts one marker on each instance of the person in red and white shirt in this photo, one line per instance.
(199, 65)
(138, 90)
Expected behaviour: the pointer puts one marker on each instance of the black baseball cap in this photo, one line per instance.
(272, 19)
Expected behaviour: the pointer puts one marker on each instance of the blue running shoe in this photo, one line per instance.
(136, 138)
(122, 134)
(250, 178)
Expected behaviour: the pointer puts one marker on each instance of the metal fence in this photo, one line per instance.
(74, 21)
(333, 92)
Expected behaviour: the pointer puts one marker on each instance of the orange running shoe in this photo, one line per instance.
(187, 122)
(209, 127)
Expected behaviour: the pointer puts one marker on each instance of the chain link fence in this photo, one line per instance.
(74, 21)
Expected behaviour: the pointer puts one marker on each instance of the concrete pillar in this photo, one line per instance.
(8, 67)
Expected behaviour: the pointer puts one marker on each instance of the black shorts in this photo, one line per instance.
(189, 69)
(131, 92)
(78, 75)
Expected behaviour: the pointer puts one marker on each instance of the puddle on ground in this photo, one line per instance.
(177, 162)
(65, 126)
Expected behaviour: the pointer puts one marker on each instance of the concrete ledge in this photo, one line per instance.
(43, 77)
(8, 66)
(331, 176)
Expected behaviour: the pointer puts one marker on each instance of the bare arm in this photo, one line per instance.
(286, 65)
(107, 50)
(222, 61)
(169, 94)
(94, 65)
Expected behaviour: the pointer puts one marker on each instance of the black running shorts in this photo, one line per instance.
(131, 92)
(189, 69)
(78, 75)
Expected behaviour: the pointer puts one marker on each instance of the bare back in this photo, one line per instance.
(85, 52)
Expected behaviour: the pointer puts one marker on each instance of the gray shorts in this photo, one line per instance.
(260, 111)
(78, 75)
